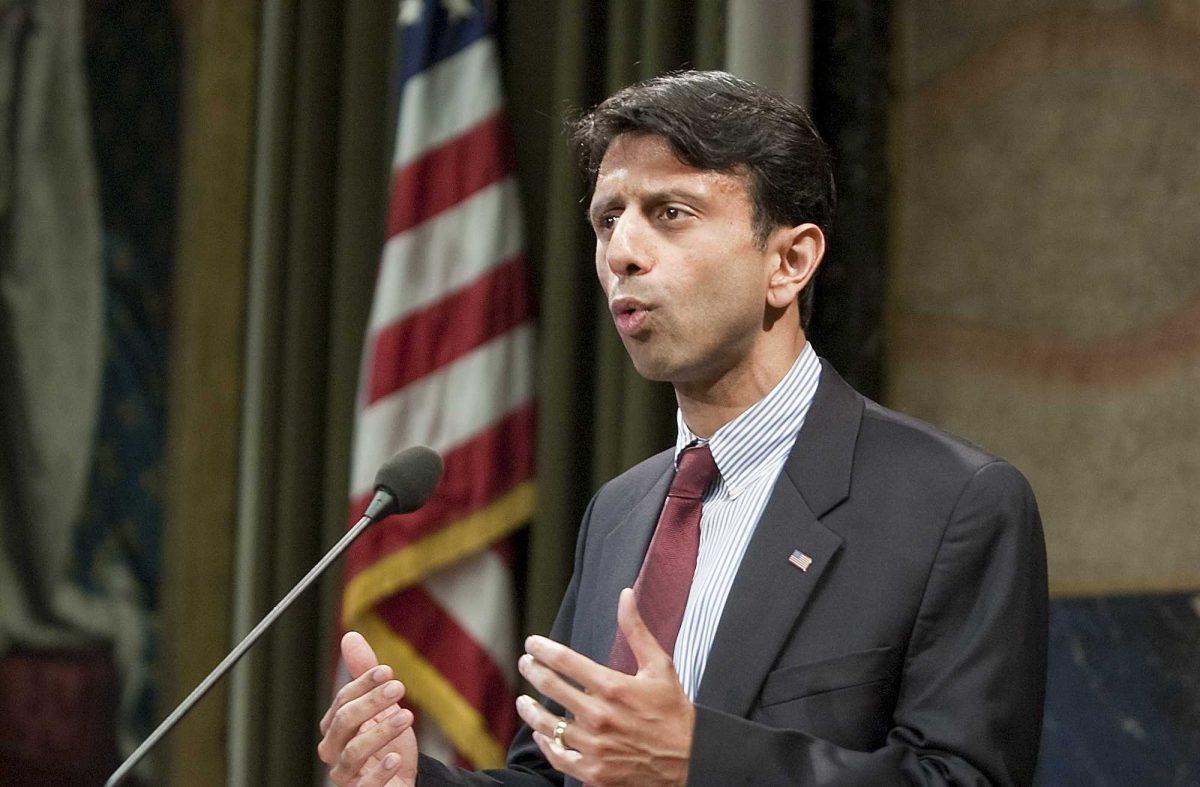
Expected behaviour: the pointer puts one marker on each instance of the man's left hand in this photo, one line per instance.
(626, 729)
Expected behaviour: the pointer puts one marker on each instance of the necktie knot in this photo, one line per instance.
(696, 470)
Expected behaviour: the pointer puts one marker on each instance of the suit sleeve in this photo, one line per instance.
(969, 710)
(526, 766)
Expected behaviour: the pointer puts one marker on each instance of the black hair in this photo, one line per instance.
(716, 121)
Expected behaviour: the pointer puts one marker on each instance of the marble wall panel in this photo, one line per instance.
(1122, 692)
(1044, 282)
(1044, 300)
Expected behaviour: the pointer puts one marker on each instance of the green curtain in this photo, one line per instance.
(596, 416)
(282, 215)
(321, 157)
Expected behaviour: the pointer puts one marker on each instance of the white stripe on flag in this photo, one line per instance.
(444, 409)
(444, 254)
(478, 593)
(444, 101)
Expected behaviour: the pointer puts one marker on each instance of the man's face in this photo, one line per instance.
(676, 257)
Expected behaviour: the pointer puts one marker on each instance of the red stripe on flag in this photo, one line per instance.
(477, 472)
(448, 174)
(417, 617)
(423, 342)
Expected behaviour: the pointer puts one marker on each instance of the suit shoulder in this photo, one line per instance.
(954, 476)
(922, 445)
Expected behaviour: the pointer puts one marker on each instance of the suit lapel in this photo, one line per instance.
(624, 549)
(769, 593)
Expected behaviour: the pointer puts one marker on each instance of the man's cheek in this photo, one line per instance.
(601, 260)
(604, 275)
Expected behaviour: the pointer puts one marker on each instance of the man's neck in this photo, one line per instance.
(706, 407)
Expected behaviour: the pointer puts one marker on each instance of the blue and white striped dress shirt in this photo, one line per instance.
(749, 451)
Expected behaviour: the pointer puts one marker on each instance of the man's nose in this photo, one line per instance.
(627, 254)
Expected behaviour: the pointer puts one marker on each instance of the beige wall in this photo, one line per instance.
(1044, 295)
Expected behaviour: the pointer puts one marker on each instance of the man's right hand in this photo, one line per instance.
(368, 738)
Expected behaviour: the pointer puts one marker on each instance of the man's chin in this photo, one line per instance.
(657, 370)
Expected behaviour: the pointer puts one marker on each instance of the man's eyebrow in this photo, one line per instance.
(653, 198)
(595, 210)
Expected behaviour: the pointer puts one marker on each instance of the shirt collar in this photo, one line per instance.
(765, 430)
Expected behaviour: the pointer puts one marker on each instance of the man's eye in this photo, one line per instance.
(671, 214)
(608, 222)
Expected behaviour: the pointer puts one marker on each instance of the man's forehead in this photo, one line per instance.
(642, 152)
(642, 161)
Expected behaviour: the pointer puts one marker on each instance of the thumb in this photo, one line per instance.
(642, 643)
(357, 654)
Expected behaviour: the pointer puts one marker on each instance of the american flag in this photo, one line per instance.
(448, 362)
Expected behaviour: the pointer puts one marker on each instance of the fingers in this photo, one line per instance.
(384, 770)
(566, 761)
(353, 690)
(350, 716)
(564, 661)
(357, 653)
(646, 650)
(551, 685)
(374, 735)
(364, 721)
(359, 658)
(541, 720)
(379, 773)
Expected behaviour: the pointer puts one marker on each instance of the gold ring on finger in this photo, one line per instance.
(559, 729)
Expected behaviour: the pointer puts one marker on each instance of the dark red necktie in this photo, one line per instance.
(665, 580)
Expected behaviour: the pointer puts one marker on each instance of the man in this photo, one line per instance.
(824, 591)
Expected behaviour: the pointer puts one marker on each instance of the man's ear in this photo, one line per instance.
(797, 253)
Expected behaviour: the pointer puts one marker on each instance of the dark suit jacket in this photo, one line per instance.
(913, 649)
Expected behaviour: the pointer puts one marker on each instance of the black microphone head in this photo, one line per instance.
(410, 476)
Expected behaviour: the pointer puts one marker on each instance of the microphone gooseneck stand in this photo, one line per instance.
(402, 485)
(239, 651)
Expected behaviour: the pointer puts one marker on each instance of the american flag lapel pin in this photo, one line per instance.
(800, 560)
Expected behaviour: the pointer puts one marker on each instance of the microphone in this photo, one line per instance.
(403, 484)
